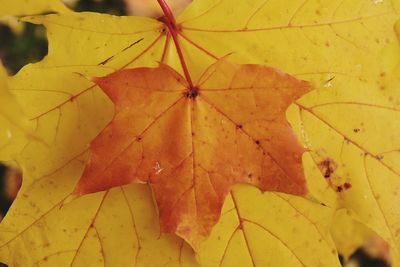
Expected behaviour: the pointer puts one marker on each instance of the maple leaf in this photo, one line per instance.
(181, 139)
(335, 44)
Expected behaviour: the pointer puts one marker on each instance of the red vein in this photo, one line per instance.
(343, 38)
(299, 8)
(166, 47)
(72, 98)
(277, 238)
(304, 216)
(209, 179)
(171, 24)
(354, 103)
(246, 88)
(390, 151)
(337, 9)
(240, 218)
(288, 26)
(247, 134)
(57, 169)
(376, 200)
(342, 134)
(204, 13)
(155, 120)
(228, 244)
(306, 36)
(180, 253)
(52, 255)
(101, 245)
(89, 227)
(202, 49)
(35, 221)
(172, 206)
(191, 107)
(211, 70)
(255, 13)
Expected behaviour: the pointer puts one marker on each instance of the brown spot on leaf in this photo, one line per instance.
(327, 167)
(347, 185)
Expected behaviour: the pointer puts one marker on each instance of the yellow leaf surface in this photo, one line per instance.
(321, 38)
(358, 134)
(114, 228)
(13, 124)
(316, 40)
(30, 7)
(270, 229)
(335, 44)
(98, 39)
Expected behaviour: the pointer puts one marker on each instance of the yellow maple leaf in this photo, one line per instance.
(335, 44)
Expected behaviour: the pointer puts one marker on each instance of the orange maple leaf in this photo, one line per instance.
(192, 143)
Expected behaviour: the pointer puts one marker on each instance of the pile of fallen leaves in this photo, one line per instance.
(233, 133)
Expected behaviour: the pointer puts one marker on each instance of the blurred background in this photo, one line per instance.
(22, 43)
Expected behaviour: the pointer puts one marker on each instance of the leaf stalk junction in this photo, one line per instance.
(170, 22)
